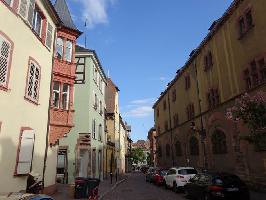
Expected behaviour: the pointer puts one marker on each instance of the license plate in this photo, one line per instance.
(232, 189)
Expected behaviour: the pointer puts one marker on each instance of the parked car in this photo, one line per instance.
(158, 176)
(212, 186)
(149, 174)
(177, 177)
(25, 196)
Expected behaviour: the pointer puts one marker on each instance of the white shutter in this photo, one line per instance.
(23, 7)
(4, 60)
(49, 35)
(25, 153)
(31, 11)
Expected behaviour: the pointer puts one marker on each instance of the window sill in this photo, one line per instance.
(60, 109)
(61, 60)
(242, 35)
(20, 175)
(4, 88)
(31, 101)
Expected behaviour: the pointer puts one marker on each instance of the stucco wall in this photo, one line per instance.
(16, 112)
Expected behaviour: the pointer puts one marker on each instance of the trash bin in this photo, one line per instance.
(81, 190)
(92, 184)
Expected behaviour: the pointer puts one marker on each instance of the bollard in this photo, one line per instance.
(111, 176)
(116, 176)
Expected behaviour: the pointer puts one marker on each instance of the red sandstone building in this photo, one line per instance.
(152, 139)
(61, 102)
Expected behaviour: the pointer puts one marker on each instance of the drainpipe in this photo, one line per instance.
(48, 120)
(202, 131)
(171, 130)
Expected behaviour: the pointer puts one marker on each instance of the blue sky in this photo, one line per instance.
(142, 43)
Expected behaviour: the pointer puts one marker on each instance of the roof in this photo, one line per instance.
(64, 14)
(216, 25)
(80, 49)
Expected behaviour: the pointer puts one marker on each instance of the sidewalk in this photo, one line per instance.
(63, 191)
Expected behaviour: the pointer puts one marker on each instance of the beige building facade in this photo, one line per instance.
(26, 43)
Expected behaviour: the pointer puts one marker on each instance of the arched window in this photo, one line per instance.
(167, 150)
(194, 146)
(219, 142)
(159, 151)
(59, 48)
(178, 149)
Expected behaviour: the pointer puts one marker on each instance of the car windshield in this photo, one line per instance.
(230, 179)
(187, 171)
(163, 172)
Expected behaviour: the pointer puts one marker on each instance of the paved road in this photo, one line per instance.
(135, 188)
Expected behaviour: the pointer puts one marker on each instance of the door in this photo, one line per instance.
(100, 163)
(84, 163)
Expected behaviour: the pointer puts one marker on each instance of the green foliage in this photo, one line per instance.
(137, 155)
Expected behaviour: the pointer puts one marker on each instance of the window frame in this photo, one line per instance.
(243, 20)
(70, 48)
(27, 97)
(5, 86)
(219, 142)
(59, 94)
(19, 151)
(49, 46)
(67, 93)
(61, 47)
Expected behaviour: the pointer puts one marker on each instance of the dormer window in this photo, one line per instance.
(208, 61)
(59, 48)
(68, 52)
(37, 22)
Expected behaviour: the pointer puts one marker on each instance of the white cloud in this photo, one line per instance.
(143, 101)
(139, 112)
(162, 78)
(95, 11)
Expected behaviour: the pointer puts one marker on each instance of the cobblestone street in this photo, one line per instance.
(136, 188)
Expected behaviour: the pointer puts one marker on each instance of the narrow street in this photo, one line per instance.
(136, 188)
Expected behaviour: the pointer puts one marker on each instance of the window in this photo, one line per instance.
(167, 150)
(158, 112)
(100, 132)
(174, 95)
(159, 151)
(26, 10)
(219, 142)
(213, 98)
(159, 130)
(80, 70)
(262, 66)
(194, 146)
(208, 61)
(32, 13)
(94, 129)
(68, 51)
(101, 108)
(247, 79)
(59, 48)
(187, 82)
(164, 105)
(49, 36)
(95, 102)
(178, 150)
(56, 94)
(245, 23)
(8, 2)
(65, 96)
(33, 82)
(190, 111)
(254, 73)
(5, 58)
(166, 125)
(176, 120)
(37, 22)
(25, 153)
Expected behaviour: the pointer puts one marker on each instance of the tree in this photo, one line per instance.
(137, 155)
(252, 111)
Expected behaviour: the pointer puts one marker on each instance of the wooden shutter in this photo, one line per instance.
(5, 48)
(26, 151)
(23, 8)
(33, 85)
(49, 35)
(31, 11)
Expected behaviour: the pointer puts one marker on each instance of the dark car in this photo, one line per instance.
(149, 174)
(158, 176)
(217, 186)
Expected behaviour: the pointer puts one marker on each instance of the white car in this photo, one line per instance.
(177, 177)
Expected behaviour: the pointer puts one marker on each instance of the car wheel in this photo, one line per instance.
(187, 194)
(206, 196)
(175, 188)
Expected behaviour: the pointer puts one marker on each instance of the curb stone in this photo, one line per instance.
(112, 188)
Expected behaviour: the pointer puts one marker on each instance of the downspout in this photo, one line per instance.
(171, 130)
(48, 121)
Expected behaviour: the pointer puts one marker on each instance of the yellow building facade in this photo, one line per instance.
(190, 115)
